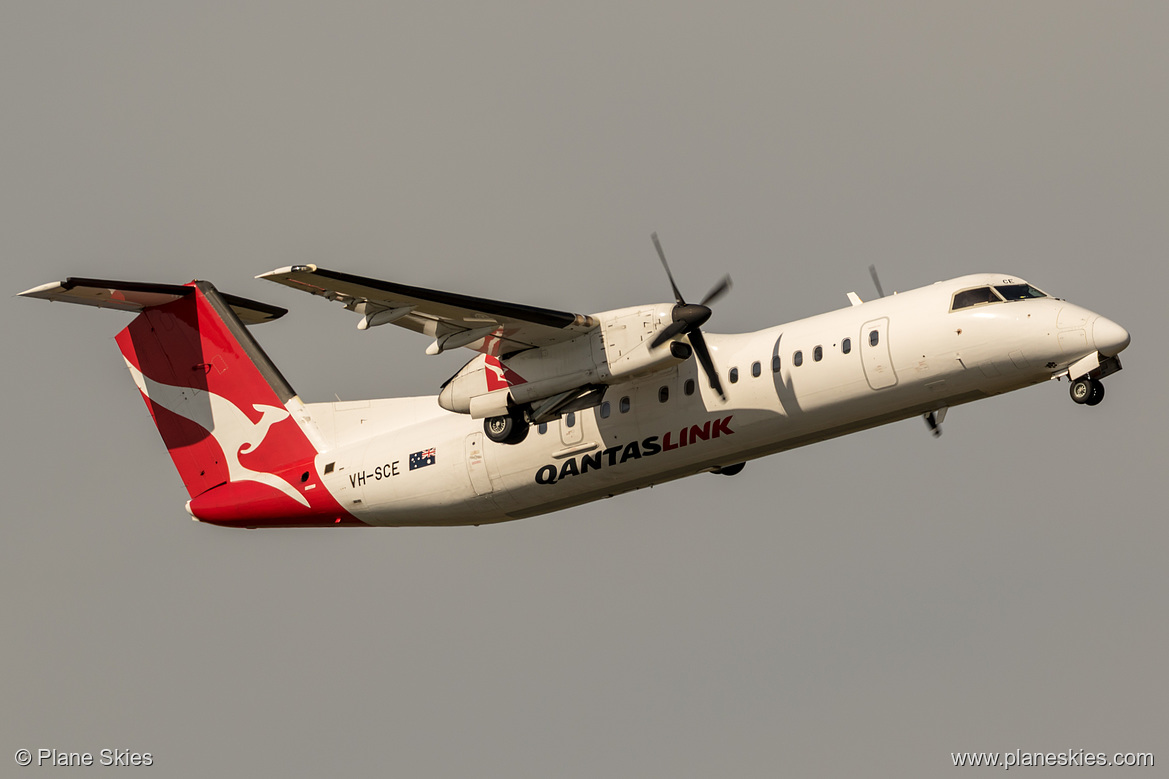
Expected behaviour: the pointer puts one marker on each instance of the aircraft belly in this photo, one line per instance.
(631, 455)
(649, 455)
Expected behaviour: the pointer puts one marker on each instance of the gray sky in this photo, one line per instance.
(861, 607)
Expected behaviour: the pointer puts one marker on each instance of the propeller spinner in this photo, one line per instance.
(688, 318)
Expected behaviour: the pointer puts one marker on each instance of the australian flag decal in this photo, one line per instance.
(422, 459)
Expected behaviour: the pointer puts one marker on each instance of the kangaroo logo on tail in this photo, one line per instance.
(225, 422)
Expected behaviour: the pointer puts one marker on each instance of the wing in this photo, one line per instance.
(452, 320)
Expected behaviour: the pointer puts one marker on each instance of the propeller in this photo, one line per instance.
(688, 318)
(876, 281)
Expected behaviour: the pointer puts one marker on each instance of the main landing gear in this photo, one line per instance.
(507, 429)
(1087, 391)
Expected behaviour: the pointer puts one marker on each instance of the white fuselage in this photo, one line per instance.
(907, 355)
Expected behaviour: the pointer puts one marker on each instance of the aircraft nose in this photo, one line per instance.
(1109, 337)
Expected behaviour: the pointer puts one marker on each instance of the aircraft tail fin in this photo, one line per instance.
(238, 434)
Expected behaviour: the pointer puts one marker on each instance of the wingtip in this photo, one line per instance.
(36, 291)
(288, 270)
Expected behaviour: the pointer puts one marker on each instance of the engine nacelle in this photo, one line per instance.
(643, 360)
(489, 386)
(474, 385)
(618, 350)
(626, 337)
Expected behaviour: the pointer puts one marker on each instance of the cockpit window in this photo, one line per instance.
(974, 297)
(1019, 292)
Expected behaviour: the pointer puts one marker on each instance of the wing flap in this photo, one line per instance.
(451, 319)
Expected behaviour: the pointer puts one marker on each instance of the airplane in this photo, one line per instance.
(557, 409)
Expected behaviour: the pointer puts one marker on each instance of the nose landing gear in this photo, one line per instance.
(1087, 391)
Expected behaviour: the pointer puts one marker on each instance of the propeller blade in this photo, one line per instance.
(876, 281)
(717, 291)
(671, 331)
(666, 265)
(703, 355)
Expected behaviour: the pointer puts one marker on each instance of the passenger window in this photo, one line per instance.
(734, 375)
(798, 359)
(818, 353)
(663, 394)
(623, 404)
(570, 419)
(775, 364)
(605, 409)
(756, 369)
(688, 387)
(974, 297)
(846, 345)
(874, 338)
(542, 428)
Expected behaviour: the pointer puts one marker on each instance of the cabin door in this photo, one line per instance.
(477, 465)
(878, 362)
(572, 427)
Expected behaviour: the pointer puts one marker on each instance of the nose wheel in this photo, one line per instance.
(1088, 392)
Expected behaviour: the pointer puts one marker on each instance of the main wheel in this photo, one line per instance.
(1097, 393)
(509, 429)
(1081, 390)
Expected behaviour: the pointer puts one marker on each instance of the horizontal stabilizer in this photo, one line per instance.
(136, 296)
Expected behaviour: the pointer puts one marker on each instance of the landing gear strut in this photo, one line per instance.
(1087, 391)
(507, 429)
(933, 421)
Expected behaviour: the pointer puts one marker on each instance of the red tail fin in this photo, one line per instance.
(226, 415)
(237, 433)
